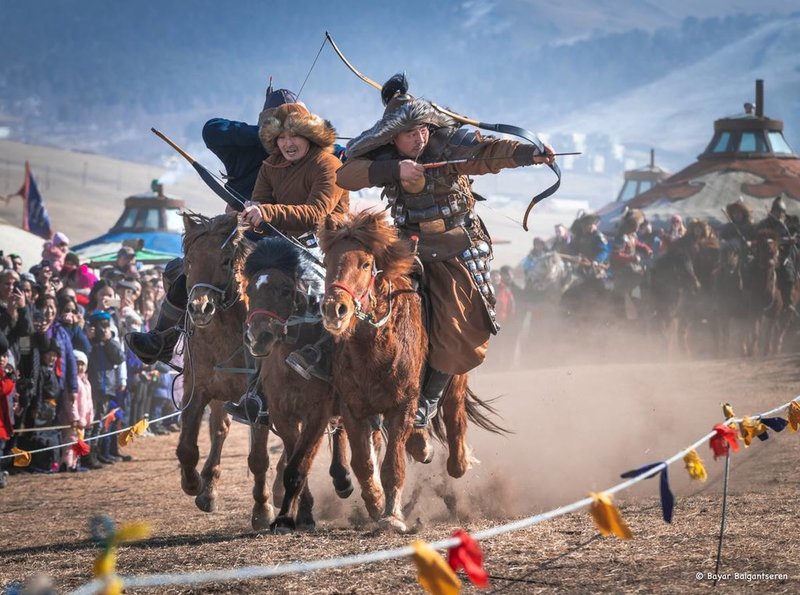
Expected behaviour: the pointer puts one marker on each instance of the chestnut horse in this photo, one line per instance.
(278, 285)
(375, 316)
(767, 306)
(214, 335)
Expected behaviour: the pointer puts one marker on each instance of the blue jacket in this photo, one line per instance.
(239, 148)
(69, 367)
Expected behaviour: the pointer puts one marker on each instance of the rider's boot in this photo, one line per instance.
(314, 361)
(435, 384)
(157, 344)
(252, 406)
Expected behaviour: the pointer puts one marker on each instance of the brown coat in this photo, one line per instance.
(296, 196)
(460, 326)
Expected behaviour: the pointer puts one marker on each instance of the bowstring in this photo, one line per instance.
(313, 64)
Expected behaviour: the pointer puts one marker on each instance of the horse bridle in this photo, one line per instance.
(283, 323)
(359, 302)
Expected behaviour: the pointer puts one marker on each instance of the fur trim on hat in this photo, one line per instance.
(740, 206)
(397, 118)
(631, 221)
(296, 119)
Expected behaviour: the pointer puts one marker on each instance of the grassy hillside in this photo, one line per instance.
(84, 193)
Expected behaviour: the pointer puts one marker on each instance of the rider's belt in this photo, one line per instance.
(438, 247)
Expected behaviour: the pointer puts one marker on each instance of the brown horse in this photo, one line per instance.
(278, 284)
(375, 316)
(767, 304)
(730, 299)
(214, 335)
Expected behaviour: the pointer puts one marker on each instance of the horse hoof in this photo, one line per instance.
(262, 517)
(343, 488)
(206, 502)
(393, 523)
(283, 525)
(420, 446)
(191, 483)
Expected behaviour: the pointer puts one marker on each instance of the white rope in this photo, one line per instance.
(252, 572)
(13, 456)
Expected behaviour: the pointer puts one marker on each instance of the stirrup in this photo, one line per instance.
(425, 413)
(248, 410)
(305, 360)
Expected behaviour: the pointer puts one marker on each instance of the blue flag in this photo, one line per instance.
(34, 214)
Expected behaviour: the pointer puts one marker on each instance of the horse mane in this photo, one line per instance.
(280, 254)
(393, 254)
(196, 225)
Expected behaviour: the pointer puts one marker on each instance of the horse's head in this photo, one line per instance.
(275, 281)
(208, 247)
(767, 246)
(361, 253)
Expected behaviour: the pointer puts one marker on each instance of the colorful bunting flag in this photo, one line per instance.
(105, 565)
(433, 573)
(468, 555)
(727, 411)
(137, 429)
(694, 465)
(794, 415)
(750, 428)
(667, 499)
(81, 448)
(776, 424)
(607, 517)
(724, 438)
(22, 458)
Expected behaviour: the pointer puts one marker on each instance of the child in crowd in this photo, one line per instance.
(79, 414)
(7, 394)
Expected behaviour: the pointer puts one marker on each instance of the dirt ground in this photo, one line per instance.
(576, 428)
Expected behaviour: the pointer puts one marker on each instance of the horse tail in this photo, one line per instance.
(478, 411)
(481, 413)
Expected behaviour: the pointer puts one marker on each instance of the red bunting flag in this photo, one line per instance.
(468, 555)
(81, 448)
(725, 438)
(109, 419)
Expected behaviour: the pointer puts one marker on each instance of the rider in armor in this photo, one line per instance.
(435, 205)
(787, 228)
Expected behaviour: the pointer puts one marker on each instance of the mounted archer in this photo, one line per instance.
(435, 205)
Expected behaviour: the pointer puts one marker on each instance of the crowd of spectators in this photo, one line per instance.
(65, 371)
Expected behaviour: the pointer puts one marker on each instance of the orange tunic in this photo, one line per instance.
(296, 196)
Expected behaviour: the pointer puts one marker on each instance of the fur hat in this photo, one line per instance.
(51, 347)
(80, 357)
(741, 207)
(296, 119)
(631, 221)
(402, 113)
(582, 220)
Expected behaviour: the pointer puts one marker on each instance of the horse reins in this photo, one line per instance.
(285, 322)
(359, 301)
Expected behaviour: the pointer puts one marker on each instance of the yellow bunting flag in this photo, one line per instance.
(694, 465)
(125, 437)
(105, 566)
(140, 427)
(607, 518)
(727, 411)
(794, 415)
(137, 429)
(433, 573)
(22, 458)
(750, 428)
